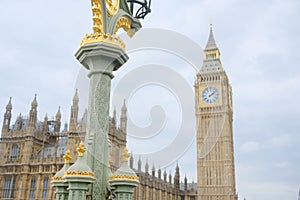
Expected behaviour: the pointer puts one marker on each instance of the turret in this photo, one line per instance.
(131, 161)
(139, 165)
(123, 118)
(45, 124)
(185, 184)
(74, 113)
(165, 176)
(19, 122)
(32, 115)
(7, 117)
(159, 173)
(114, 118)
(153, 171)
(177, 178)
(170, 178)
(147, 167)
(58, 120)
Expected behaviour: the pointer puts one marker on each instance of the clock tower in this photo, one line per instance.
(215, 153)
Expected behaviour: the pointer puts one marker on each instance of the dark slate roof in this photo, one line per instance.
(211, 43)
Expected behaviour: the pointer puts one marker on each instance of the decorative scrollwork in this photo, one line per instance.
(124, 23)
(124, 177)
(97, 16)
(79, 173)
(56, 178)
(112, 6)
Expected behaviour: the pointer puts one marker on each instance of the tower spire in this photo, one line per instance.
(58, 120)
(9, 105)
(211, 43)
(177, 177)
(74, 113)
(32, 115)
(114, 118)
(123, 118)
(7, 117)
(211, 55)
(34, 103)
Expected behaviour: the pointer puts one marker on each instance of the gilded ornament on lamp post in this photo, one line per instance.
(67, 157)
(125, 155)
(81, 149)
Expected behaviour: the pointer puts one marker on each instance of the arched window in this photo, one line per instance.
(32, 188)
(7, 184)
(45, 188)
(14, 152)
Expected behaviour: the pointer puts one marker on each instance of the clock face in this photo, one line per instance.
(210, 95)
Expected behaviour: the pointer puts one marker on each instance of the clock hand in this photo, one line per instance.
(212, 93)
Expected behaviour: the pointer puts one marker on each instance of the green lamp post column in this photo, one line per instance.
(124, 180)
(61, 192)
(102, 52)
(79, 176)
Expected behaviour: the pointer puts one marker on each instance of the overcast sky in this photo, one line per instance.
(259, 43)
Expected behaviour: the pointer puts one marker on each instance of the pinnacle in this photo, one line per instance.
(124, 108)
(58, 114)
(9, 105)
(34, 102)
(211, 43)
(76, 98)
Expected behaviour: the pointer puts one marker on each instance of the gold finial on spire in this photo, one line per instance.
(81, 149)
(211, 22)
(67, 157)
(125, 155)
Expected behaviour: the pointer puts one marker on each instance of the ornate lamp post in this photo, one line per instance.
(102, 52)
(139, 8)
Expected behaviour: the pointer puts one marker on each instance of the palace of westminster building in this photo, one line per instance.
(32, 150)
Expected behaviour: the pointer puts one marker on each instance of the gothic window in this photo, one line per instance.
(14, 152)
(9, 187)
(13, 186)
(32, 188)
(45, 188)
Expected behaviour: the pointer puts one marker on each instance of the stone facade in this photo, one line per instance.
(33, 152)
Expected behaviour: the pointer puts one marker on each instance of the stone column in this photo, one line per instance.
(101, 59)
